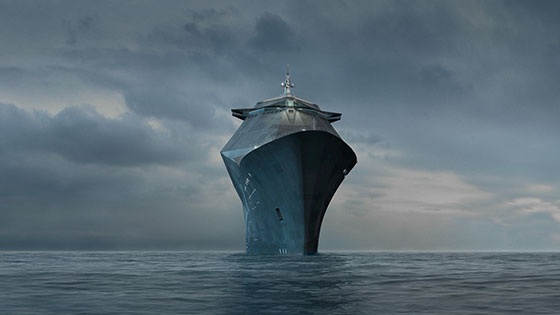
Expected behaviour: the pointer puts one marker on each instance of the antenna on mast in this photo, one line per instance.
(287, 84)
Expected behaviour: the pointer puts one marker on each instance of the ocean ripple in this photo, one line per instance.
(234, 283)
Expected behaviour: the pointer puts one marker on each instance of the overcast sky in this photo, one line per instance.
(112, 116)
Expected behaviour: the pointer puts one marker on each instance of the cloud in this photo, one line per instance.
(530, 205)
(81, 180)
(540, 188)
(380, 187)
(273, 34)
(82, 135)
(451, 107)
(79, 28)
(359, 137)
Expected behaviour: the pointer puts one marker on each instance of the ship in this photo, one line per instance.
(286, 162)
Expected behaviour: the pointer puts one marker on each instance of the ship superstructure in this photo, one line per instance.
(286, 162)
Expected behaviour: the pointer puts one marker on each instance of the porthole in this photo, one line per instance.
(279, 214)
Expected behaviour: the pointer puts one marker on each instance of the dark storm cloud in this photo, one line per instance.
(273, 34)
(217, 39)
(159, 102)
(78, 28)
(211, 14)
(168, 85)
(409, 30)
(464, 87)
(78, 180)
(83, 135)
(196, 35)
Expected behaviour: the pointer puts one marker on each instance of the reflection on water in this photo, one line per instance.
(235, 283)
(282, 284)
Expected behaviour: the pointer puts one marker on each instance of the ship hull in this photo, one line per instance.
(285, 187)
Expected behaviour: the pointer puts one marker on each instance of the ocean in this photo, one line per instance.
(152, 282)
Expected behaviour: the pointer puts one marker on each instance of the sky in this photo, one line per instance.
(113, 113)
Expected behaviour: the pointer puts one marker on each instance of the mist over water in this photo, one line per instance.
(236, 283)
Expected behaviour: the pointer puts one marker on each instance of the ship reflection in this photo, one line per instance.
(290, 284)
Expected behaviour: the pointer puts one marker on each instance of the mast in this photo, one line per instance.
(287, 84)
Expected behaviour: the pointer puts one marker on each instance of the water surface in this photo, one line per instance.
(234, 283)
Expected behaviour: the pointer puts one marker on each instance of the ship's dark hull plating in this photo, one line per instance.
(286, 185)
